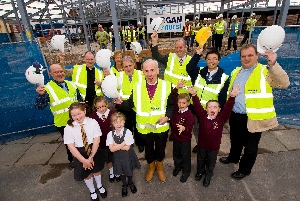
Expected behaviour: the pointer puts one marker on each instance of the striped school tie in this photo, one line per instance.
(85, 141)
(103, 117)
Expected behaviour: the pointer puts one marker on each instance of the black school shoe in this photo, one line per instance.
(118, 179)
(198, 176)
(97, 199)
(141, 149)
(132, 187)
(239, 175)
(206, 182)
(195, 149)
(176, 172)
(124, 191)
(103, 195)
(111, 180)
(183, 179)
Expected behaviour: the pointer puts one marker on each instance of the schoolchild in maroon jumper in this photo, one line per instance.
(103, 116)
(182, 123)
(210, 132)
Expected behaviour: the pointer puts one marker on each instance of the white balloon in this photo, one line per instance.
(157, 23)
(110, 86)
(271, 38)
(58, 42)
(103, 58)
(33, 77)
(136, 47)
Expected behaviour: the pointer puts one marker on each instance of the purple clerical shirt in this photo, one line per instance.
(151, 89)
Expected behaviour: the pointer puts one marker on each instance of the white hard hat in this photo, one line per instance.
(217, 17)
(208, 18)
(136, 47)
(271, 38)
(139, 22)
(103, 58)
(221, 15)
(205, 19)
(196, 18)
(110, 86)
(234, 17)
(253, 14)
(112, 26)
(33, 77)
(157, 23)
(187, 20)
(58, 42)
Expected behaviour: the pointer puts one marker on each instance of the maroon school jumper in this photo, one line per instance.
(186, 119)
(210, 130)
(105, 127)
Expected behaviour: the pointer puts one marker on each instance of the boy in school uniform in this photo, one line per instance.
(210, 132)
(182, 123)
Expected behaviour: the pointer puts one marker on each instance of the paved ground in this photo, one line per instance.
(36, 168)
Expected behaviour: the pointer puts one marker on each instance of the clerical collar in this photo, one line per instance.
(153, 83)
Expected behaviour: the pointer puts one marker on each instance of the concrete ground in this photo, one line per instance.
(36, 168)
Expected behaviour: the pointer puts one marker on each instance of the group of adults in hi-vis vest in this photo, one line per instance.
(150, 99)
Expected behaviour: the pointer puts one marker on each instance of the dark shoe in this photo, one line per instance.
(238, 175)
(183, 179)
(206, 182)
(72, 164)
(132, 188)
(195, 149)
(225, 160)
(111, 180)
(124, 191)
(176, 172)
(171, 138)
(198, 176)
(141, 149)
(103, 195)
(118, 179)
(97, 199)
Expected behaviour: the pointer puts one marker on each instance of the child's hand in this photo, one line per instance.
(199, 50)
(180, 84)
(235, 91)
(180, 128)
(87, 164)
(192, 91)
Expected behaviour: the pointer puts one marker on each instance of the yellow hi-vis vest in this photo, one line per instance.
(101, 36)
(110, 36)
(220, 27)
(148, 112)
(207, 92)
(60, 100)
(194, 32)
(258, 94)
(79, 77)
(127, 86)
(252, 23)
(174, 72)
(131, 36)
(113, 70)
(142, 31)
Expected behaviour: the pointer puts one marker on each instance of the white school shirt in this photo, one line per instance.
(128, 137)
(73, 134)
(105, 114)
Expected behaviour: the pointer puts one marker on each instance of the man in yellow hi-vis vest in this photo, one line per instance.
(152, 102)
(250, 27)
(220, 28)
(131, 36)
(59, 94)
(196, 26)
(102, 36)
(253, 111)
(142, 35)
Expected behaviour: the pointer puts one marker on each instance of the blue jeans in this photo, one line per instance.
(143, 43)
(187, 40)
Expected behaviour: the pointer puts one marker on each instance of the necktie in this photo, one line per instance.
(208, 76)
(103, 117)
(181, 61)
(85, 141)
(63, 86)
(130, 78)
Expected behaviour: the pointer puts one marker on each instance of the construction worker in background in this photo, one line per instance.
(102, 36)
(195, 28)
(220, 28)
(122, 36)
(112, 38)
(250, 25)
(142, 35)
(187, 31)
(130, 36)
(213, 31)
(233, 32)
(206, 24)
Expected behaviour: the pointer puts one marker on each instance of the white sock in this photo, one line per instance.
(90, 184)
(99, 183)
(117, 175)
(111, 172)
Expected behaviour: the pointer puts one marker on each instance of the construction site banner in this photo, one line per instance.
(173, 23)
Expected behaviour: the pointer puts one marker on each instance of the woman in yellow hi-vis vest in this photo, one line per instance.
(253, 111)
(154, 107)
(59, 94)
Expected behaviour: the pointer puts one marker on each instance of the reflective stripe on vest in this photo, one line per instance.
(80, 79)
(258, 94)
(220, 27)
(208, 92)
(194, 32)
(129, 36)
(187, 30)
(60, 100)
(174, 72)
(150, 111)
(252, 23)
(127, 85)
